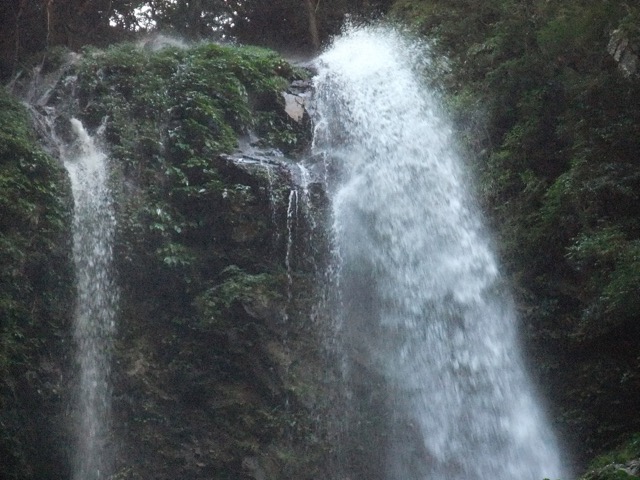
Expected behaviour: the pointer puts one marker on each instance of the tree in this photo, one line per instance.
(312, 8)
(299, 24)
(32, 26)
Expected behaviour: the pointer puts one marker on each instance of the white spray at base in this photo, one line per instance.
(421, 300)
(93, 231)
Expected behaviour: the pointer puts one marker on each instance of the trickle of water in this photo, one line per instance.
(273, 201)
(93, 231)
(421, 302)
(292, 216)
(305, 178)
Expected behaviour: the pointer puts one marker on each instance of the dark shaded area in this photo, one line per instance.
(31, 28)
(286, 25)
(36, 285)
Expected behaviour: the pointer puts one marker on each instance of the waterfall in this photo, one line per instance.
(93, 230)
(421, 305)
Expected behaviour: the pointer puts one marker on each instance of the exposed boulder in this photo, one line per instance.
(297, 98)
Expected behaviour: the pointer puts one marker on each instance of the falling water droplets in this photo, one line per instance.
(292, 217)
(93, 231)
(421, 304)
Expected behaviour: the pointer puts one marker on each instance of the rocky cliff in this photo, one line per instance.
(218, 362)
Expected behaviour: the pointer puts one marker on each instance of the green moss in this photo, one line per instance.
(202, 97)
(34, 209)
(199, 269)
(35, 279)
(168, 115)
(236, 286)
(616, 464)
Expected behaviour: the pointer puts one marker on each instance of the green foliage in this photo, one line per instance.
(35, 280)
(198, 264)
(237, 286)
(34, 213)
(598, 250)
(611, 265)
(628, 451)
(569, 32)
(192, 339)
(616, 464)
(168, 116)
(202, 97)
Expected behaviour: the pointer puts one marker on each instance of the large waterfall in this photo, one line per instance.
(421, 304)
(93, 230)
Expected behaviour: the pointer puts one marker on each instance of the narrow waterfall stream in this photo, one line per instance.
(93, 230)
(421, 302)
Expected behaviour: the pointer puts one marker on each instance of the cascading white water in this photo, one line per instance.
(93, 230)
(420, 296)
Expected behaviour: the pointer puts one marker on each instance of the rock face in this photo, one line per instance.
(297, 99)
(218, 363)
(624, 53)
(221, 382)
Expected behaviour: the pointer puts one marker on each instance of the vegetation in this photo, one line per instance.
(33, 27)
(620, 464)
(167, 117)
(35, 291)
(536, 92)
(551, 119)
(201, 271)
(199, 264)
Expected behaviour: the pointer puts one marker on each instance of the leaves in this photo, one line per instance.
(237, 286)
(36, 283)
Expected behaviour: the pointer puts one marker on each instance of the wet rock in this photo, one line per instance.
(624, 53)
(297, 98)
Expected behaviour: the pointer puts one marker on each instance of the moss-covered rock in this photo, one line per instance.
(217, 360)
(622, 463)
(212, 322)
(36, 299)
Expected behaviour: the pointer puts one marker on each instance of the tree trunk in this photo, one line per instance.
(194, 19)
(312, 10)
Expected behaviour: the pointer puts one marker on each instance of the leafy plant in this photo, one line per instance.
(36, 284)
(237, 286)
(616, 464)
